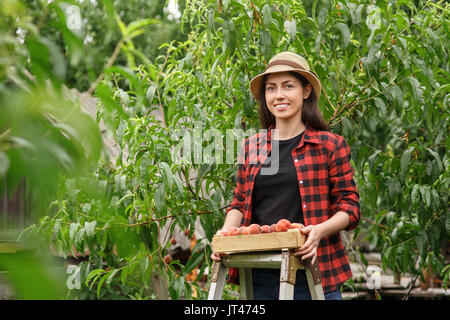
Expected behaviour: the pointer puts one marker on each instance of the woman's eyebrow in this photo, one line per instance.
(281, 83)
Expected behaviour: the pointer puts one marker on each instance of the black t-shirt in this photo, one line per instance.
(277, 196)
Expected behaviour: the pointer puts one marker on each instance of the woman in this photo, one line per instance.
(313, 181)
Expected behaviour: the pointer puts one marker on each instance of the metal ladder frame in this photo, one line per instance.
(285, 261)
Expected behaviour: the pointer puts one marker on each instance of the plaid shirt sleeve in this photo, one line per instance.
(240, 189)
(239, 193)
(343, 193)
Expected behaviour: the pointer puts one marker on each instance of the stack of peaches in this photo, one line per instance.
(281, 226)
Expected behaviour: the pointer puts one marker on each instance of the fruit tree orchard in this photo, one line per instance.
(384, 70)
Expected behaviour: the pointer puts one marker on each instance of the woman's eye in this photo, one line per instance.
(273, 88)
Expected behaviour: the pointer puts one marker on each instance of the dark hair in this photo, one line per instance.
(311, 115)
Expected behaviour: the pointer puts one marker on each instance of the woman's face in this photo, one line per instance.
(285, 95)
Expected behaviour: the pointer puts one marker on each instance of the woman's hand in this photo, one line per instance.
(215, 256)
(309, 249)
(339, 221)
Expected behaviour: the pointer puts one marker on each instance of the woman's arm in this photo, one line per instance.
(233, 219)
(343, 192)
(345, 203)
(336, 223)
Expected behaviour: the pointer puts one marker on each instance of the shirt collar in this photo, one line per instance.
(310, 135)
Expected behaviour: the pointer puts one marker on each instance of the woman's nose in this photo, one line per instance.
(279, 94)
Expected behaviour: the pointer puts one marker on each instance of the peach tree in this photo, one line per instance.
(384, 69)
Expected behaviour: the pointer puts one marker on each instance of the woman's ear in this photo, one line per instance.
(307, 91)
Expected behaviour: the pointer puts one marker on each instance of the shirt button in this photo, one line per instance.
(296, 160)
(304, 206)
(301, 181)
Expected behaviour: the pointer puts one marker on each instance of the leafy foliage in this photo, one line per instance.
(384, 70)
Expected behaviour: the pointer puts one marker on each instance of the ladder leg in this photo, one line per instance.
(286, 284)
(246, 283)
(218, 275)
(316, 290)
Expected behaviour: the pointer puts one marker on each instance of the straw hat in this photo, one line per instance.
(286, 61)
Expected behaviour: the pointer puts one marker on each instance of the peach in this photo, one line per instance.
(244, 230)
(233, 231)
(281, 227)
(167, 259)
(265, 228)
(254, 229)
(286, 222)
(296, 225)
(273, 228)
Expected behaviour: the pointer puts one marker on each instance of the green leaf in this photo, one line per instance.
(363, 258)
(167, 175)
(421, 241)
(385, 257)
(128, 74)
(381, 106)
(417, 90)
(135, 28)
(100, 285)
(150, 94)
(404, 162)
(390, 218)
(194, 261)
(426, 195)
(447, 224)
(438, 159)
(372, 160)
(4, 163)
(179, 185)
(90, 228)
(93, 276)
(415, 195)
(110, 276)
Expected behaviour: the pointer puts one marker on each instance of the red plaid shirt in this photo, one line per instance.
(322, 162)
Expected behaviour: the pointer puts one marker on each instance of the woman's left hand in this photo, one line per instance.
(309, 249)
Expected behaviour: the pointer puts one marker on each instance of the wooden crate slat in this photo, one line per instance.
(258, 242)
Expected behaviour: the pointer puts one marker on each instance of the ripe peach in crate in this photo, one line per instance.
(233, 231)
(296, 225)
(283, 225)
(243, 230)
(254, 229)
(273, 228)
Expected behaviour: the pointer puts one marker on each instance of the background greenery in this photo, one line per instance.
(385, 74)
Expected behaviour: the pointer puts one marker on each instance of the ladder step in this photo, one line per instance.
(285, 261)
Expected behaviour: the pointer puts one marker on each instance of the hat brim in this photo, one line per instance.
(256, 82)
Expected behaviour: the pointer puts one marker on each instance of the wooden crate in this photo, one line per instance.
(291, 239)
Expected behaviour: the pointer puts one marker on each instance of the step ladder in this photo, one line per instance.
(245, 262)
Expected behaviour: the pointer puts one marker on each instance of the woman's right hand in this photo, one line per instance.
(215, 257)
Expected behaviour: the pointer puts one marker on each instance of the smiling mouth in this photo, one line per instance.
(280, 107)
